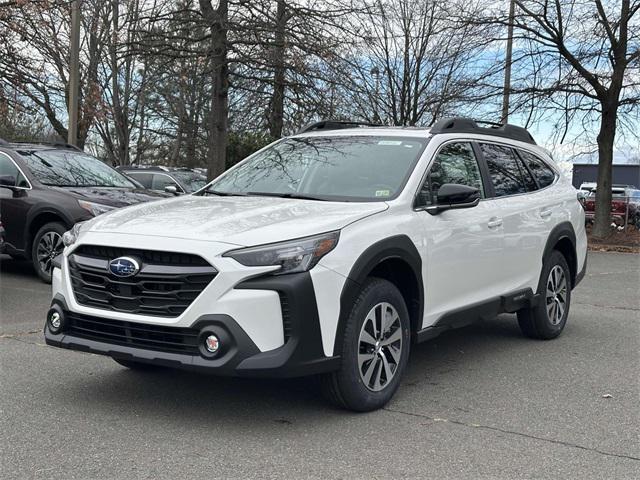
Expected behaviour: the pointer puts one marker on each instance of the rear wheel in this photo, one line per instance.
(375, 349)
(547, 319)
(47, 244)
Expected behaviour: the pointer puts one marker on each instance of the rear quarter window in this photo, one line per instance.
(542, 172)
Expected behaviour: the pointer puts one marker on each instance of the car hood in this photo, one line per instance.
(242, 221)
(113, 196)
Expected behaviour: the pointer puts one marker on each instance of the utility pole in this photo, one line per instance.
(74, 73)
(507, 67)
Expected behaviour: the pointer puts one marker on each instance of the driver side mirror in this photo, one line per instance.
(171, 189)
(452, 196)
(8, 181)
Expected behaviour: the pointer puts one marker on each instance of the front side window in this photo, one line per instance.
(192, 181)
(454, 163)
(349, 168)
(66, 168)
(504, 170)
(160, 181)
(541, 171)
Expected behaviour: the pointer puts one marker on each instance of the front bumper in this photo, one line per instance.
(301, 354)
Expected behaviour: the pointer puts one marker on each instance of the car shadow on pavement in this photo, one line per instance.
(17, 267)
(186, 397)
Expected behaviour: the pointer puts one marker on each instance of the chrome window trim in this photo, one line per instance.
(21, 172)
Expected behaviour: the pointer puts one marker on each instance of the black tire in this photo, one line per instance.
(52, 229)
(538, 322)
(138, 366)
(346, 387)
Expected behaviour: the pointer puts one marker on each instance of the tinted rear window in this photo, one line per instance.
(541, 171)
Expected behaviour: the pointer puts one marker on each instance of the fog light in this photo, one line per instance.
(56, 320)
(212, 344)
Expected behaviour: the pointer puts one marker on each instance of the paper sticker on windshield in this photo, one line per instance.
(390, 142)
(383, 193)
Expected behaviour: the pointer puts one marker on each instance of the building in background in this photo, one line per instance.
(623, 174)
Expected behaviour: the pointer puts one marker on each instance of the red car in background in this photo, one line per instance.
(622, 198)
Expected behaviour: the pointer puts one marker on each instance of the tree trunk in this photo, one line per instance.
(606, 138)
(218, 116)
(276, 110)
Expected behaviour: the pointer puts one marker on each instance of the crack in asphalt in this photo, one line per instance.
(14, 336)
(614, 307)
(513, 432)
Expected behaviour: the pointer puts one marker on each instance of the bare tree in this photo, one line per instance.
(34, 58)
(582, 58)
(415, 61)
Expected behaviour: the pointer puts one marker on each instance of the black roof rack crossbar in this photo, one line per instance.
(335, 125)
(468, 125)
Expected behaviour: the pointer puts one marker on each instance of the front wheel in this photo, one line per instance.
(47, 244)
(375, 349)
(547, 319)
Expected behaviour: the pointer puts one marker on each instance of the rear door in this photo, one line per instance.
(527, 215)
(462, 248)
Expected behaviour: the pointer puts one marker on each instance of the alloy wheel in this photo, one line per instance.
(380, 346)
(49, 247)
(556, 294)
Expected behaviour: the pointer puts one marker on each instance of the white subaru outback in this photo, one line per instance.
(329, 253)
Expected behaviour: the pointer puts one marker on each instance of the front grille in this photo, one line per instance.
(139, 335)
(165, 286)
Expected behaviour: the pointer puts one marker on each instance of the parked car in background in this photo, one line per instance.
(165, 179)
(623, 197)
(45, 189)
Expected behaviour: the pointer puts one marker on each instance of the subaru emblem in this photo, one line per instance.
(124, 266)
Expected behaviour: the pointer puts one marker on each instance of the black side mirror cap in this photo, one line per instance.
(453, 196)
(8, 181)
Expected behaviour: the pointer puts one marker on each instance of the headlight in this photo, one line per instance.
(292, 256)
(95, 209)
(69, 237)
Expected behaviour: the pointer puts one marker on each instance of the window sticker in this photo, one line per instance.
(394, 143)
(383, 193)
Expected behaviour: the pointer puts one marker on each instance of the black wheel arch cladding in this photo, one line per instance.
(563, 234)
(397, 248)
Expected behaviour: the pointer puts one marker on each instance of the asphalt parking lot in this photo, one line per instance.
(482, 402)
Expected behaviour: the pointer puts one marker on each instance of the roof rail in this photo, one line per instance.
(64, 145)
(468, 125)
(335, 125)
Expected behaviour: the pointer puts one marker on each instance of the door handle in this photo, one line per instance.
(545, 213)
(494, 223)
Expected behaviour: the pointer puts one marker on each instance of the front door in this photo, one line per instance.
(462, 248)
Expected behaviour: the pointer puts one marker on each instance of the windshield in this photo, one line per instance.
(66, 168)
(364, 168)
(191, 181)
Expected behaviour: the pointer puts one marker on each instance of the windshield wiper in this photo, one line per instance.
(224, 194)
(300, 196)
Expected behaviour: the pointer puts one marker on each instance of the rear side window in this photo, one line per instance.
(541, 171)
(504, 169)
(143, 178)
